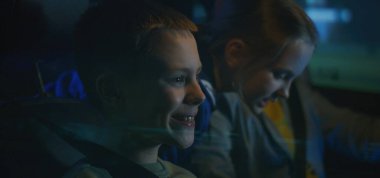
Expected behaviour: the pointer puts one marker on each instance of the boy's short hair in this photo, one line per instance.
(115, 34)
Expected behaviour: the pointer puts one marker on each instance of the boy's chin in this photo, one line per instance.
(184, 142)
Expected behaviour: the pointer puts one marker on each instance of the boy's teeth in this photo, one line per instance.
(189, 118)
(185, 118)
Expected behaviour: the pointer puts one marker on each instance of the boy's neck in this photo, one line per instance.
(144, 155)
(130, 148)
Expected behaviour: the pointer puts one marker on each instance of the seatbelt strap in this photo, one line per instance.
(298, 121)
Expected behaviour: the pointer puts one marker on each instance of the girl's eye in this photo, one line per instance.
(281, 75)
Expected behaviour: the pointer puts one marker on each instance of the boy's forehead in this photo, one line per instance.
(173, 43)
(167, 37)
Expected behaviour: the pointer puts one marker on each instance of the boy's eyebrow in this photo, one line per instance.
(187, 70)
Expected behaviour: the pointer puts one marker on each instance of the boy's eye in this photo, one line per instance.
(180, 79)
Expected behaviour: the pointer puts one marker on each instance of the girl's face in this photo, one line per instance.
(164, 102)
(260, 85)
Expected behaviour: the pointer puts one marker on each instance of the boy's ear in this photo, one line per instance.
(108, 89)
(235, 52)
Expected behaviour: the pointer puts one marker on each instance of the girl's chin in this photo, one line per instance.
(257, 110)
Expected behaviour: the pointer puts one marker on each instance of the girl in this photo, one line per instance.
(254, 56)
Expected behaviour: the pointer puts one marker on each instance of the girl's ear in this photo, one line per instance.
(235, 52)
(108, 89)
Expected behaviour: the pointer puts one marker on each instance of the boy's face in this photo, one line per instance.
(164, 101)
